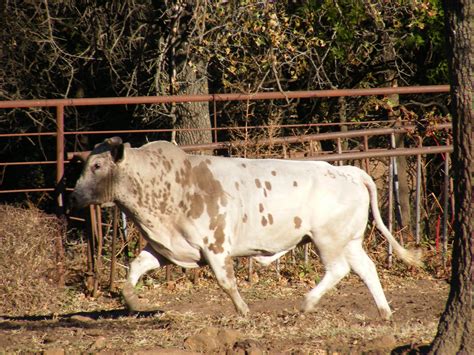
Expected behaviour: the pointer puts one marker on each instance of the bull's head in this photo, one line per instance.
(96, 183)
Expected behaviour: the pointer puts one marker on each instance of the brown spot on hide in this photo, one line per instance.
(258, 183)
(297, 221)
(184, 174)
(206, 240)
(295, 183)
(236, 185)
(243, 165)
(270, 218)
(167, 165)
(260, 207)
(162, 206)
(265, 193)
(217, 224)
(274, 172)
(208, 161)
(268, 185)
(212, 191)
(197, 206)
(264, 221)
(245, 218)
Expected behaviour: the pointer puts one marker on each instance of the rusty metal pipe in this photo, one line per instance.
(381, 153)
(429, 89)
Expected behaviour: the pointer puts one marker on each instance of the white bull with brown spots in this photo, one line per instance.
(195, 210)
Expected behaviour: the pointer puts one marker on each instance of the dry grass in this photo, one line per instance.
(28, 267)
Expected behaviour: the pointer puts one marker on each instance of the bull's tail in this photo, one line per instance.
(412, 257)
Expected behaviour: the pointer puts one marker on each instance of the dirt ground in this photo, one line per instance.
(200, 318)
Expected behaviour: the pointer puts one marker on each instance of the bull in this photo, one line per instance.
(198, 210)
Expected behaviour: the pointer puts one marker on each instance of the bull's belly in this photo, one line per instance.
(179, 255)
(267, 244)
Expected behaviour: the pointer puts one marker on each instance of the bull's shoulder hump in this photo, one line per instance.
(162, 147)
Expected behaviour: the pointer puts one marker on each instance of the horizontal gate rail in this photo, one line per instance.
(427, 89)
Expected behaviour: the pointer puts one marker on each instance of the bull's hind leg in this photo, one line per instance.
(147, 260)
(365, 268)
(222, 266)
(336, 268)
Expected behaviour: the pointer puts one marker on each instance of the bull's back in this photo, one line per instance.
(273, 204)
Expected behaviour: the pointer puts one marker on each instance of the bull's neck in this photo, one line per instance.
(148, 192)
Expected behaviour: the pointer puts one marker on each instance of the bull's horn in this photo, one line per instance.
(113, 141)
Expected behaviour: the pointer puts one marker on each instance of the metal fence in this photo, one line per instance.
(95, 240)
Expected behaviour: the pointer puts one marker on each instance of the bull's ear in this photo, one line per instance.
(116, 148)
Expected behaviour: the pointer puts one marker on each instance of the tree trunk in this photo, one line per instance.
(188, 74)
(403, 209)
(193, 81)
(455, 326)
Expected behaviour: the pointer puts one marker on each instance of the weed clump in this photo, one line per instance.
(28, 261)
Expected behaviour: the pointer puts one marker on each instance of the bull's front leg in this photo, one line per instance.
(222, 266)
(146, 261)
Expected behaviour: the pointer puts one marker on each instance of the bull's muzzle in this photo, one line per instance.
(74, 202)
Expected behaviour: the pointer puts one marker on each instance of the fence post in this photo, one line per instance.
(60, 188)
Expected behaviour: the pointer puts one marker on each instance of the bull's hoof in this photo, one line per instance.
(307, 306)
(385, 314)
(243, 310)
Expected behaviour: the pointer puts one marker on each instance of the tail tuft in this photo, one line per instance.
(411, 256)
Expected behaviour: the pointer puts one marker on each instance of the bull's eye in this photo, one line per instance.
(95, 167)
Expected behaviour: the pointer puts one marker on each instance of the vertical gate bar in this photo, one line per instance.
(390, 209)
(306, 252)
(113, 258)
(396, 187)
(60, 186)
(250, 269)
(215, 118)
(60, 157)
(98, 261)
(124, 225)
(445, 205)
(366, 149)
(140, 242)
(90, 280)
(339, 150)
(418, 194)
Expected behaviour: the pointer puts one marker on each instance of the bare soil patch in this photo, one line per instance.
(36, 315)
(346, 320)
